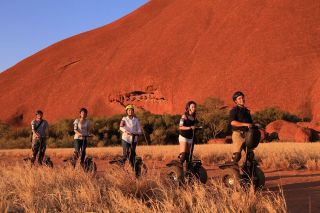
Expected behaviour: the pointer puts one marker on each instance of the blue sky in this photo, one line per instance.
(28, 26)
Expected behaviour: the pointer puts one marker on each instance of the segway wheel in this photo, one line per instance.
(89, 165)
(175, 174)
(48, 162)
(258, 179)
(231, 177)
(139, 168)
(202, 175)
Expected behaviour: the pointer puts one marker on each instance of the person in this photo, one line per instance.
(81, 128)
(187, 125)
(131, 129)
(241, 121)
(40, 131)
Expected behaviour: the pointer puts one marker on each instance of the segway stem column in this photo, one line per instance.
(192, 147)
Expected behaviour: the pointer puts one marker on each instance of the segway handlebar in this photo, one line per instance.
(87, 136)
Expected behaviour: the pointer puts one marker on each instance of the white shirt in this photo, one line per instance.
(83, 128)
(132, 126)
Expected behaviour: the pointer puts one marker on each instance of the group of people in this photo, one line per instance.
(240, 120)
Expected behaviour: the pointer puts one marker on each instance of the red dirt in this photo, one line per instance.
(171, 51)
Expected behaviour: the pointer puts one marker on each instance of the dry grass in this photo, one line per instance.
(271, 156)
(68, 190)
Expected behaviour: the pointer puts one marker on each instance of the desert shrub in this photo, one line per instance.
(213, 115)
(61, 129)
(268, 115)
(4, 129)
(157, 129)
(20, 133)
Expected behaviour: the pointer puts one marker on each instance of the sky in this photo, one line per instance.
(28, 26)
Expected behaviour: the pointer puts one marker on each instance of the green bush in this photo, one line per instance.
(268, 115)
(157, 129)
(214, 118)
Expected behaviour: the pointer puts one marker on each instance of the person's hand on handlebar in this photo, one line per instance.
(248, 125)
(129, 133)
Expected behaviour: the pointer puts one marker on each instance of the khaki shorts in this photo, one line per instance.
(238, 140)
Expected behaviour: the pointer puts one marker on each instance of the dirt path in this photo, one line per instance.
(300, 187)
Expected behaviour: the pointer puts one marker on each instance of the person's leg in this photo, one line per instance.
(83, 150)
(42, 150)
(188, 150)
(238, 142)
(125, 153)
(76, 149)
(35, 150)
(132, 154)
(183, 151)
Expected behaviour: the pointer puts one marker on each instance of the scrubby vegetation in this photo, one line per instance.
(157, 129)
(268, 115)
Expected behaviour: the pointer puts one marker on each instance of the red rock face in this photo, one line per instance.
(171, 51)
(314, 128)
(275, 126)
(291, 132)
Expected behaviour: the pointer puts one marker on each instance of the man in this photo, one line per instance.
(40, 131)
(241, 121)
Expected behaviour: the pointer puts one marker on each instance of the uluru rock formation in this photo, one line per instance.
(171, 51)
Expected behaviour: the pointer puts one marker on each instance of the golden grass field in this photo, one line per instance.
(42, 189)
(270, 155)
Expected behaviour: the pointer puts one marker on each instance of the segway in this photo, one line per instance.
(47, 160)
(88, 166)
(249, 172)
(194, 169)
(138, 166)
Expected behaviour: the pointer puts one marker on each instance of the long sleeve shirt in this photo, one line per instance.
(132, 126)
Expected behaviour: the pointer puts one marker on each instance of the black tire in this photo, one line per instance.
(175, 174)
(89, 166)
(202, 175)
(144, 169)
(258, 179)
(230, 177)
(49, 164)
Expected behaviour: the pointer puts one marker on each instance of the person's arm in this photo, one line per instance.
(240, 124)
(139, 128)
(33, 129)
(47, 130)
(123, 127)
(181, 124)
(89, 128)
(75, 128)
(234, 122)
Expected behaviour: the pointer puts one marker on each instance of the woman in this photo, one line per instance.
(187, 127)
(81, 128)
(131, 129)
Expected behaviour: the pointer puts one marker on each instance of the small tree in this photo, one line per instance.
(214, 117)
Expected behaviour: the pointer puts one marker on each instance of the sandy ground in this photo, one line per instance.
(301, 187)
